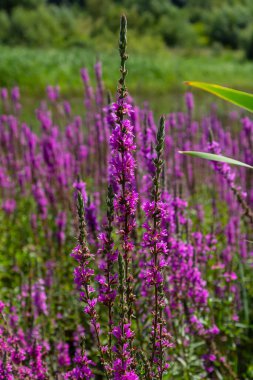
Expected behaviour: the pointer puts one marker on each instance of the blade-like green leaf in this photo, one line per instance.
(215, 157)
(240, 98)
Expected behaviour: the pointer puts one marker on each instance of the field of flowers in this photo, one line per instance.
(119, 257)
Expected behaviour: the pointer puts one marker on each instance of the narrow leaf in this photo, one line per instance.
(215, 157)
(240, 98)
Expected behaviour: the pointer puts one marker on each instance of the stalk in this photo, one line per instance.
(158, 285)
(108, 249)
(125, 183)
(83, 275)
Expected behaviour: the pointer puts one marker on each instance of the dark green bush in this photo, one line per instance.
(5, 27)
(246, 42)
(9, 5)
(176, 31)
(36, 27)
(179, 3)
(67, 22)
(224, 25)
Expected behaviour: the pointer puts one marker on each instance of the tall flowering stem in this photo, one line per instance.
(109, 279)
(122, 90)
(124, 364)
(110, 260)
(158, 249)
(122, 174)
(84, 273)
(123, 169)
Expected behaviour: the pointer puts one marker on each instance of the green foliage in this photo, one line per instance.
(240, 98)
(29, 27)
(66, 20)
(154, 77)
(179, 3)
(175, 31)
(215, 157)
(9, 5)
(225, 24)
(186, 23)
(44, 26)
(5, 26)
(246, 40)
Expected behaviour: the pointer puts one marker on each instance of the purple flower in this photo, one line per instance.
(53, 93)
(6, 371)
(4, 94)
(15, 94)
(82, 369)
(67, 108)
(9, 206)
(80, 186)
(61, 221)
(41, 199)
(39, 298)
(189, 100)
(2, 306)
(63, 354)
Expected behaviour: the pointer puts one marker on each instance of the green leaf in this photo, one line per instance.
(215, 157)
(182, 361)
(240, 98)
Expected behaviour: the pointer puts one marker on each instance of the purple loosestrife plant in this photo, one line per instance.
(165, 259)
(125, 202)
(123, 170)
(108, 281)
(154, 240)
(83, 274)
(22, 353)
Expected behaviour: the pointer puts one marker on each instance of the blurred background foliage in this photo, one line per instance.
(157, 23)
(47, 42)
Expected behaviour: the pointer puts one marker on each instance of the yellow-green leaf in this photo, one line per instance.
(215, 157)
(240, 98)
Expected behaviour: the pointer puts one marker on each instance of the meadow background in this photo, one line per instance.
(48, 41)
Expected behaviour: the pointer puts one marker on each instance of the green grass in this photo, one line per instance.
(158, 78)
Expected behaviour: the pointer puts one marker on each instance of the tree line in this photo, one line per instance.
(161, 23)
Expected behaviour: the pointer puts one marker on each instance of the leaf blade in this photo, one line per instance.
(239, 98)
(215, 157)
